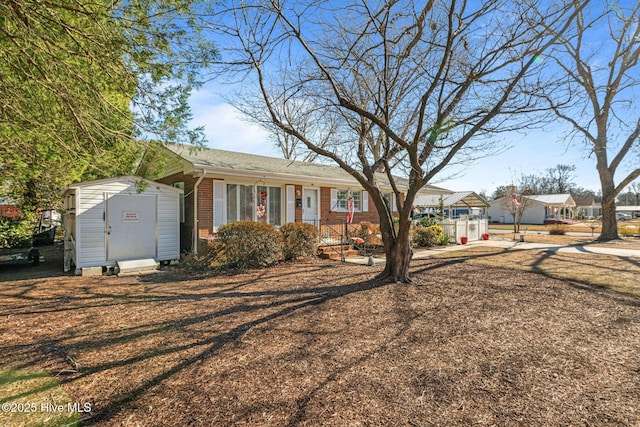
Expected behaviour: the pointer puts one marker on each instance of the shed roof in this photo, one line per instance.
(214, 160)
(126, 178)
(459, 199)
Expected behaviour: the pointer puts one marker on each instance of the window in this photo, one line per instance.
(270, 198)
(342, 202)
(240, 205)
(254, 203)
(391, 198)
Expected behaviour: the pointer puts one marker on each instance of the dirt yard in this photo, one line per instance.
(321, 343)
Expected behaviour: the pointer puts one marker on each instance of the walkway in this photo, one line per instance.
(510, 245)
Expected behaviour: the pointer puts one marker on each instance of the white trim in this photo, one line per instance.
(334, 200)
(219, 208)
(290, 203)
(364, 195)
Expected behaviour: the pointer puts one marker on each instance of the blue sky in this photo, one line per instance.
(529, 153)
(226, 129)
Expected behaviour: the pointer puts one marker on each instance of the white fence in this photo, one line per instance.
(472, 229)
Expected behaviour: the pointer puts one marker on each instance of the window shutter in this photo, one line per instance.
(393, 202)
(291, 203)
(365, 201)
(219, 204)
(334, 200)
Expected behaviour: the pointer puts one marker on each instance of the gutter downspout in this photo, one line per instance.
(194, 243)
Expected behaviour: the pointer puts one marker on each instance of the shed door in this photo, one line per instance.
(131, 227)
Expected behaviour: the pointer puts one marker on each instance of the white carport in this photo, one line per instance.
(465, 213)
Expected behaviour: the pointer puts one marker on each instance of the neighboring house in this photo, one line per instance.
(538, 209)
(224, 186)
(587, 208)
(8, 209)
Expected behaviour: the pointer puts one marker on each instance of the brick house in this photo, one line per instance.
(224, 186)
(8, 209)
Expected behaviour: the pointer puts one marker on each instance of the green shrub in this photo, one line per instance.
(248, 244)
(16, 233)
(428, 236)
(299, 240)
(446, 239)
(426, 221)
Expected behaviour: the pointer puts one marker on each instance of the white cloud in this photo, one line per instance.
(226, 129)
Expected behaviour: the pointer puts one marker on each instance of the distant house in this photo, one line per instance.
(9, 209)
(587, 208)
(224, 186)
(538, 209)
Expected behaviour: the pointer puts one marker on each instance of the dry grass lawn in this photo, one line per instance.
(322, 343)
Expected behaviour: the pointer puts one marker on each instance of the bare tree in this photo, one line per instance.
(558, 179)
(409, 85)
(516, 202)
(597, 95)
(290, 146)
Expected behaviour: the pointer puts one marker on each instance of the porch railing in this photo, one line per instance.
(338, 235)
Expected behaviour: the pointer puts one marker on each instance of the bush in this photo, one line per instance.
(445, 240)
(557, 230)
(628, 231)
(16, 233)
(248, 244)
(428, 236)
(299, 240)
(426, 221)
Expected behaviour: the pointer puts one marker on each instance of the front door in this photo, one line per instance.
(310, 206)
(131, 227)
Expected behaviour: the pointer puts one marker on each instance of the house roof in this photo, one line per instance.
(553, 199)
(459, 199)
(225, 162)
(544, 199)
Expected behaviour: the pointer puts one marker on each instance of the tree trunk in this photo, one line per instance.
(398, 252)
(609, 220)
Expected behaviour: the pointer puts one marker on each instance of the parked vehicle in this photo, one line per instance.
(623, 216)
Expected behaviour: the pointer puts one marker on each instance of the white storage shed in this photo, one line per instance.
(120, 219)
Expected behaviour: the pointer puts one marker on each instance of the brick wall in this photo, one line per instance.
(9, 211)
(186, 228)
(205, 207)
